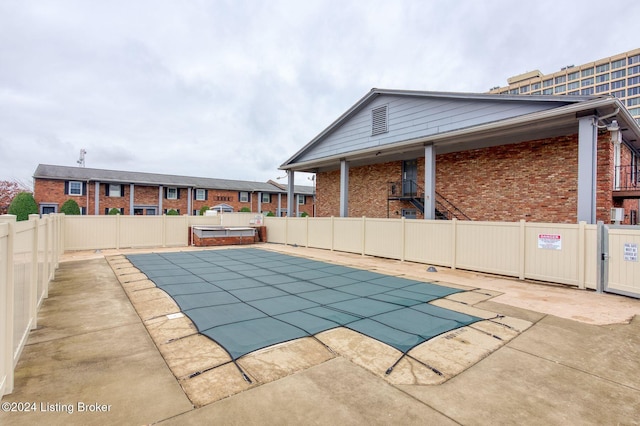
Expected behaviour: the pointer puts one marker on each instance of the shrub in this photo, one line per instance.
(23, 205)
(304, 214)
(203, 209)
(114, 211)
(172, 212)
(70, 207)
(270, 214)
(245, 210)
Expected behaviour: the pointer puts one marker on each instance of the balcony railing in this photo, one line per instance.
(627, 178)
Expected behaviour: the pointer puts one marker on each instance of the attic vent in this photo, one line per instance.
(379, 120)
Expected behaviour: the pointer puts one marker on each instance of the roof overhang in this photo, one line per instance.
(540, 125)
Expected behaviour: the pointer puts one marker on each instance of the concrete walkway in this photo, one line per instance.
(578, 364)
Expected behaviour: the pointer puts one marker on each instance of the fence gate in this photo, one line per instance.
(619, 259)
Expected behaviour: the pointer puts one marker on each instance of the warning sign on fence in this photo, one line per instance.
(631, 252)
(550, 241)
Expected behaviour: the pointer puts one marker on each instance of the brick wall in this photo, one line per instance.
(535, 181)
(47, 191)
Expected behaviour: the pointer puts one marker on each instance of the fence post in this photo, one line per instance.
(48, 267)
(454, 248)
(581, 251)
(307, 232)
(34, 219)
(404, 239)
(164, 230)
(118, 226)
(286, 230)
(522, 261)
(364, 233)
(332, 238)
(7, 345)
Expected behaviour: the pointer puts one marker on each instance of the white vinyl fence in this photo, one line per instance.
(559, 253)
(29, 252)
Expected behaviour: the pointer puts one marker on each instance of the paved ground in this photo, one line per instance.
(577, 364)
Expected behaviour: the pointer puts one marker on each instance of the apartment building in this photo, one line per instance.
(618, 76)
(98, 191)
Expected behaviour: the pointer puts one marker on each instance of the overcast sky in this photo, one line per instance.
(231, 89)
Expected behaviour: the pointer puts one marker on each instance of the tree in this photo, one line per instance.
(203, 209)
(70, 207)
(23, 205)
(172, 212)
(8, 191)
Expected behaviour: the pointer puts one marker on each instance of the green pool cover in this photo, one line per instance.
(248, 299)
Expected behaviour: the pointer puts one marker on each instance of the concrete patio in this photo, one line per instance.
(92, 361)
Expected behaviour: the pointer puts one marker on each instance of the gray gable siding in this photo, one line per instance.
(417, 117)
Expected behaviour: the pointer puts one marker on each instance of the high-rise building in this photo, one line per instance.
(617, 76)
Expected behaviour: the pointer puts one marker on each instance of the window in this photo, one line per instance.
(602, 78)
(266, 197)
(602, 88)
(547, 92)
(561, 88)
(524, 89)
(618, 74)
(574, 76)
(602, 68)
(537, 92)
(201, 194)
(587, 72)
(587, 82)
(302, 199)
(513, 91)
(634, 70)
(114, 190)
(172, 193)
(633, 101)
(561, 79)
(633, 91)
(74, 188)
(535, 86)
(617, 84)
(547, 83)
(379, 118)
(634, 59)
(574, 92)
(633, 80)
(618, 93)
(618, 64)
(243, 196)
(574, 85)
(587, 91)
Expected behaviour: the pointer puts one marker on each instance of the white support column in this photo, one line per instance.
(344, 188)
(259, 202)
(279, 211)
(587, 164)
(189, 201)
(429, 182)
(96, 209)
(160, 193)
(131, 198)
(290, 192)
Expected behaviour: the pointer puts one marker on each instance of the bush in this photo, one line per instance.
(70, 207)
(203, 209)
(172, 212)
(270, 214)
(114, 211)
(304, 214)
(245, 210)
(23, 205)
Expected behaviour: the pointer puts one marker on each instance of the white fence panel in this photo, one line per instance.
(91, 232)
(492, 247)
(276, 229)
(552, 253)
(429, 241)
(347, 235)
(320, 232)
(384, 238)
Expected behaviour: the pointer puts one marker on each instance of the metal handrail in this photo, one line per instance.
(410, 189)
(626, 178)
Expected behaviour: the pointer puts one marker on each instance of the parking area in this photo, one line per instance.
(573, 360)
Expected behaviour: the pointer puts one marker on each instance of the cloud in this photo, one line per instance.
(231, 89)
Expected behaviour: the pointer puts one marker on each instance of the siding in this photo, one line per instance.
(416, 117)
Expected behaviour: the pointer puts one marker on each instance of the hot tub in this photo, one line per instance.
(222, 235)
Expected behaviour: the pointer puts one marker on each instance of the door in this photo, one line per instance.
(409, 178)
(619, 269)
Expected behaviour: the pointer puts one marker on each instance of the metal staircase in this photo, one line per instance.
(410, 191)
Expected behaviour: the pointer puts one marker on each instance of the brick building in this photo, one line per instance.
(480, 157)
(98, 191)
